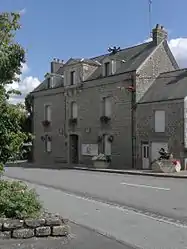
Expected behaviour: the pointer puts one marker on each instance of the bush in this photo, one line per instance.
(17, 201)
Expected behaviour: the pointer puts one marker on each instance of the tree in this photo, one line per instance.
(12, 56)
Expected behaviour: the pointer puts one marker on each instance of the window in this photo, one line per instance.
(106, 145)
(48, 146)
(72, 78)
(113, 66)
(50, 82)
(107, 69)
(107, 106)
(47, 112)
(159, 121)
(74, 110)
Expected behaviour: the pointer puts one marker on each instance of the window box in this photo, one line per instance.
(101, 161)
(73, 121)
(46, 123)
(105, 119)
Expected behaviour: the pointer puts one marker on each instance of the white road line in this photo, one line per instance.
(144, 186)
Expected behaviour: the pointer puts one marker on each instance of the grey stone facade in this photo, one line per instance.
(174, 132)
(144, 63)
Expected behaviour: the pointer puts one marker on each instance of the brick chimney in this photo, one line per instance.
(56, 64)
(159, 34)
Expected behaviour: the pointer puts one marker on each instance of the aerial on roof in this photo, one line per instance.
(168, 86)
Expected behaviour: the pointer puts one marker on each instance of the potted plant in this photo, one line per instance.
(46, 123)
(101, 161)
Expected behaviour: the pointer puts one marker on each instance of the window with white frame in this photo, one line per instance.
(160, 122)
(107, 111)
(72, 78)
(106, 69)
(48, 145)
(113, 66)
(107, 146)
(47, 112)
(74, 110)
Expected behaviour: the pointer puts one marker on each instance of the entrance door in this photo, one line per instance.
(74, 151)
(145, 156)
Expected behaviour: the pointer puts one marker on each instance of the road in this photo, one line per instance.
(133, 209)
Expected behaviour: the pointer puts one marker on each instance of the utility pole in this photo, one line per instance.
(132, 90)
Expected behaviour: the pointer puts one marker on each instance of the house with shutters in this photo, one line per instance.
(87, 106)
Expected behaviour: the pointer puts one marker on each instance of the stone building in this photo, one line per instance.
(87, 106)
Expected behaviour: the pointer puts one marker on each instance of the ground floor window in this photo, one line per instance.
(48, 146)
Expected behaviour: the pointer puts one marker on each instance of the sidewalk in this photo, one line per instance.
(81, 238)
(181, 175)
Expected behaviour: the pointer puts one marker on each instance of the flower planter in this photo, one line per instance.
(100, 164)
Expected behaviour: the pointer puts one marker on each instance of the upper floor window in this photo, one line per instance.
(72, 78)
(74, 110)
(107, 69)
(107, 107)
(113, 66)
(160, 121)
(47, 112)
(49, 82)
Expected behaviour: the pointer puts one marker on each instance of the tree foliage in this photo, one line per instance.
(12, 56)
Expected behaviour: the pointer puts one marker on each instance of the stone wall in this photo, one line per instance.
(28, 228)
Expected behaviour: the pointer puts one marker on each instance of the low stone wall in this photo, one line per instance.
(28, 228)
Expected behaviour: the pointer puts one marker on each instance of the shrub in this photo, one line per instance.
(17, 201)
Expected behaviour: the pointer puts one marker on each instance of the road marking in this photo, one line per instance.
(144, 186)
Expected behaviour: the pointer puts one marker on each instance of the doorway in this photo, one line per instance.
(74, 149)
(145, 156)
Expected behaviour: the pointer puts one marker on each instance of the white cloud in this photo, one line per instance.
(178, 47)
(27, 84)
(22, 11)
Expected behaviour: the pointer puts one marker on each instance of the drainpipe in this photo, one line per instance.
(132, 89)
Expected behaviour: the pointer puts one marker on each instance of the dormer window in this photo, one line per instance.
(72, 78)
(107, 69)
(49, 82)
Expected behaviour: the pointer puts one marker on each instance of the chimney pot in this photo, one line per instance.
(159, 34)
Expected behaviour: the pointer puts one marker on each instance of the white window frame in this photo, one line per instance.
(74, 109)
(72, 78)
(48, 146)
(48, 114)
(160, 120)
(107, 146)
(113, 65)
(107, 107)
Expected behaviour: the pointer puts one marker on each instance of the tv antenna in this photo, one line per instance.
(150, 16)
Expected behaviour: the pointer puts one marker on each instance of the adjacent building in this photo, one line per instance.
(110, 104)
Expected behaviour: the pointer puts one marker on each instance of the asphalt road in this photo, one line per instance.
(142, 208)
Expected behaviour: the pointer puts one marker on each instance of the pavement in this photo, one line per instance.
(136, 210)
(181, 174)
(81, 238)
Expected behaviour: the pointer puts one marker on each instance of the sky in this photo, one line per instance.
(79, 28)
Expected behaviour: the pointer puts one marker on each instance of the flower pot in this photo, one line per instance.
(100, 164)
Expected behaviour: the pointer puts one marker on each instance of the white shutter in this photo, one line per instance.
(47, 112)
(107, 103)
(113, 66)
(48, 145)
(107, 145)
(159, 121)
(74, 110)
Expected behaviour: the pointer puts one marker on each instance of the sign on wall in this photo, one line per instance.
(89, 149)
(185, 122)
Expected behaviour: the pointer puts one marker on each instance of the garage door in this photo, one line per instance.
(155, 147)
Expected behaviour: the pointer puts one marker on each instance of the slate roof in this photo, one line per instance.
(133, 57)
(168, 86)
(44, 85)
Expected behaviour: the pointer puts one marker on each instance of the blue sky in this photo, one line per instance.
(80, 28)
